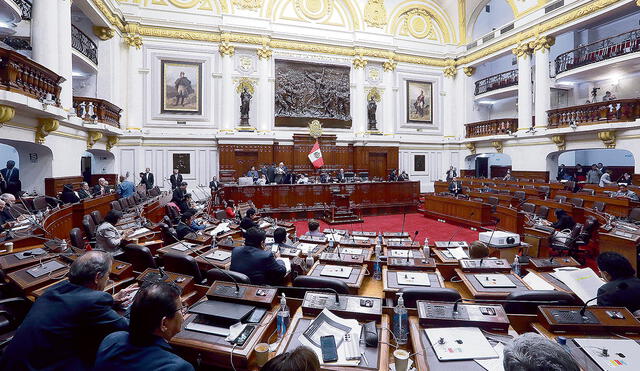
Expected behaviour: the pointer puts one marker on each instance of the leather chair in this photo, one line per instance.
(577, 202)
(634, 214)
(542, 211)
(12, 313)
(183, 264)
(225, 275)
(77, 238)
(568, 245)
(528, 207)
(131, 202)
(40, 203)
(591, 224)
(173, 213)
(520, 195)
(155, 191)
(115, 205)
(136, 198)
(139, 256)
(89, 227)
(587, 191)
(545, 189)
(97, 217)
(516, 300)
(560, 199)
(413, 294)
(316, 283)
(124, 205)
(599, 206)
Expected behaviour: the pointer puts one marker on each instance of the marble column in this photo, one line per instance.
(541, 48)
(388, 98)
(134, 80)
(44, 33)
(465, 89)
(64, 53)
(265, 98)
(525, 106)
(226, 56)
(449, 115)
(359, 125)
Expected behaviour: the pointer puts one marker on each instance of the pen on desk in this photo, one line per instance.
(365, 358)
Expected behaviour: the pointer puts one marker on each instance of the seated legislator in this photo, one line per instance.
(564, 220)
(65, 326)
(85, 191)
(625, 192)
(180, 197)
(9, 214)
(184, 227)
(280, 239)
(299, 359)
(68, 195)
(102, 188)
(156, 316)
(478, 250)
(259, 265)
(3, 223)
(455, 187)
(533, 352)
(623, 287)
(247, 222)
(230, 210)
(108, 237)
(313, 229)
(262, 180)
(253, 174)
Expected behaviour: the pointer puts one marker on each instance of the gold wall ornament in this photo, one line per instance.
(92, 138)
(450, 70)
(560, 141)
(133, 40)
(608, 138)
(471, 146)
(45, 127)
(264, 53)
(375, 94)
(245, 83)
(469, 71)
(112, 141)
(103, 33)
(389, 65)
(522, 50)
(226, 49)
(418, 23)
(542, 43)
(315, 129)
(375, 14)
(248, 4)
(497, 145)
(359, 62)
(112, 18)
(7, 113)
(314, 9)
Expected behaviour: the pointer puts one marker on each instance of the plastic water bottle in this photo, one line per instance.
(400, 321)
(426, 249)
(563, 343)
(516, 265)
(377, 271)
(282, 318)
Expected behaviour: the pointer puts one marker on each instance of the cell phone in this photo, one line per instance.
(329, 349)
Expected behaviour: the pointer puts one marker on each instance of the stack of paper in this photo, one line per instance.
(220, 228)
(306, 248)
(536, 282)
(400, 253)
(458, 253)
(583, 282)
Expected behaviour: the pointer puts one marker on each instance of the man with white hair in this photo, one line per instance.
(533, 352)
(102, 188)
(7, 214)
(3, 222)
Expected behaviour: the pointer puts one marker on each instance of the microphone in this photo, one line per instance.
(451, 238)
(326, 289)
(481, 259)
(404, 215)
(411, 246)
(620, 286)
(494, 230)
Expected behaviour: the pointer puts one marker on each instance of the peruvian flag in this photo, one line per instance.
(315, 156)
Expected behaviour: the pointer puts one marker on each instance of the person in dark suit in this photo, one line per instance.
(147, 179)
(623, 287)
(175, 179)
(11, 179)
(455, 187)
(180, 197)
(68, 195)
(340, 176)
(260, 265)
(64, 327)
(271, 173)
(564, 220)
(247, 222)
(102, 188)
(214, 185)
(157, 314)
(84, 191)
(280, 239)
(184, 227)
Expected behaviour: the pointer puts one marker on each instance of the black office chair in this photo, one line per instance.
(40, 203)
(545, 190)
(115, 205)
(215, 274)
(77, 238)
(131, 202)
(89, 227)
(124, 205)
(587, 191)
(520, 195)
(12, 313)
(183, 264)
(560, 199)
(577, 202)
(317, 283)
(599, 206)
(542, 211)
(518, 302)
(413, 294)
(569, 244)
(528, 207)
(634, 215)
(97, 217)
(136, 198)
(139, 256)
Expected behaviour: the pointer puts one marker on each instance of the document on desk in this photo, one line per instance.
(413, 278)
(622, 354)
(360, 238)
(458, 253)
(494, 364)
(583, 282)
(333, 237)
(219, 255)
(220, 228)
(180, 247)
(327, 324)
(494, 280)
(352, 251)
(536, 282)
(306, 248)
(139, 232)
(458, 343)
(336, 271)
(400, 253)
(287, 263)
(264, 224)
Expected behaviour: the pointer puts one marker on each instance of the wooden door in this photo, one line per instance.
(377, 165)
(244, 161)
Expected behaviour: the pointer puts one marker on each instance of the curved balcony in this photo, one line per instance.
(620, 110)
(22, 75)
(491, 127)
(615, 46)
(84, 45)
(96, 110)
(495, 82)
(25, 7)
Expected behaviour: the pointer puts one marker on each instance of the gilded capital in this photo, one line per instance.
(111, 142)
(92, 138)
(264, 53)
(469, 71)
(45, 127)
(542, 43)
(359, 62)
(450, 70)
(226, 49)
(560, 141)
(522, 50)
(389, 65)
(103, 33)
(497, 145)
(608, 138)
(6, 113)
(133, 40)
(471, 146)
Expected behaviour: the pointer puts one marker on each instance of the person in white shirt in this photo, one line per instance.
(623, 191)
(304, 179)
(108, 237)
(262, 180)
(605, 179)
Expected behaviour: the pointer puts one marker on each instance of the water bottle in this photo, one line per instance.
(377, 271)
(563, 343)
(425, 249)
(516, 265)
(63, 245)
(282, 318)
(400, 321)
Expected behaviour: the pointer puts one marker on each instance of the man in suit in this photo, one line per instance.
(184, 227)
(260, 265)
(84, 191)
(247, 222)
(340, 176)
(623, 287)
(451, 173)
(9, 213)
(180, 197)
(102, 188)
(10, 180)
(271, 173)
(147, 179)
(455, 187)
(175, 179)
(157, 315)
(64, 327)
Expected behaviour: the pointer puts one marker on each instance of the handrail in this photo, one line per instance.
(97, 110)
(497, 81)
(82, 43)
(614, 46)
(21, 74)
(491, 127)
(25, 7)
(619, 110)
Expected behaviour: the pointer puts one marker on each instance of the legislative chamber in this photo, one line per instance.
(305, 185)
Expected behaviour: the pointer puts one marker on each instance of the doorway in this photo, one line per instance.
(377, 165)
(85, 168)
(482, 167)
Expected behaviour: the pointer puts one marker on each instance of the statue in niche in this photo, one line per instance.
(245, 101)
(371, 114)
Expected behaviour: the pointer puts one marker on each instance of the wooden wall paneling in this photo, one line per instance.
(543, 175)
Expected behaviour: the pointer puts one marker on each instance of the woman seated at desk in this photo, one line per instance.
(108, 237)
(564, 220)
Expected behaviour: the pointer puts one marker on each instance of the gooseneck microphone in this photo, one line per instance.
(620, 286)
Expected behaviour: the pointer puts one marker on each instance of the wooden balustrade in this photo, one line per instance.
(491, 127)
(99, 110)
(620, 110)
(22, 75)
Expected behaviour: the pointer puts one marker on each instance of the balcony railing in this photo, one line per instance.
(615, 46)
(491, 127)
(621, 110)
(22, 75)
(495, 82)
(25, 7)
(82, 43)
(97, 110)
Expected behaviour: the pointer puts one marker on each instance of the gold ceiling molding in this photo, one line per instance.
(248, 4)
(417, 19)
(462, 22)
(112, 18)
(418, 23)
(132, 36)
(522, 50)
(450, 70)
(45, 127)
(375, 14)
(518, 14)
(542, 43)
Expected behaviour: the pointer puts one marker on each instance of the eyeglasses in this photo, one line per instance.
(183, 310)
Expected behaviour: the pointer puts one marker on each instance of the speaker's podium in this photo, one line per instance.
(340, 211)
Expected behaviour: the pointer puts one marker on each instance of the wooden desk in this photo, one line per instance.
(205, 263)
(11, 262)
(622, 242)
(613, 206)
(26, 283)
(480, 292)
(510, 219)
(179, 248)
(354, 281)
(459, 210)
(391, 286)
(503, 200)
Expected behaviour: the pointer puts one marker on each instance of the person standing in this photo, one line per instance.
(175, 179)
(126, 187)
(180, 197)
(451, 173)
(253, 174)
(593, 175)
(147, 179)
(10, 180)
(340, 176)
(280, 171)
(605, 179)
(271, 173)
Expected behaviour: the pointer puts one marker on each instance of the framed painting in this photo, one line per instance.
(419, 163)
(182, 162)
(419, 102)
(181, 87)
